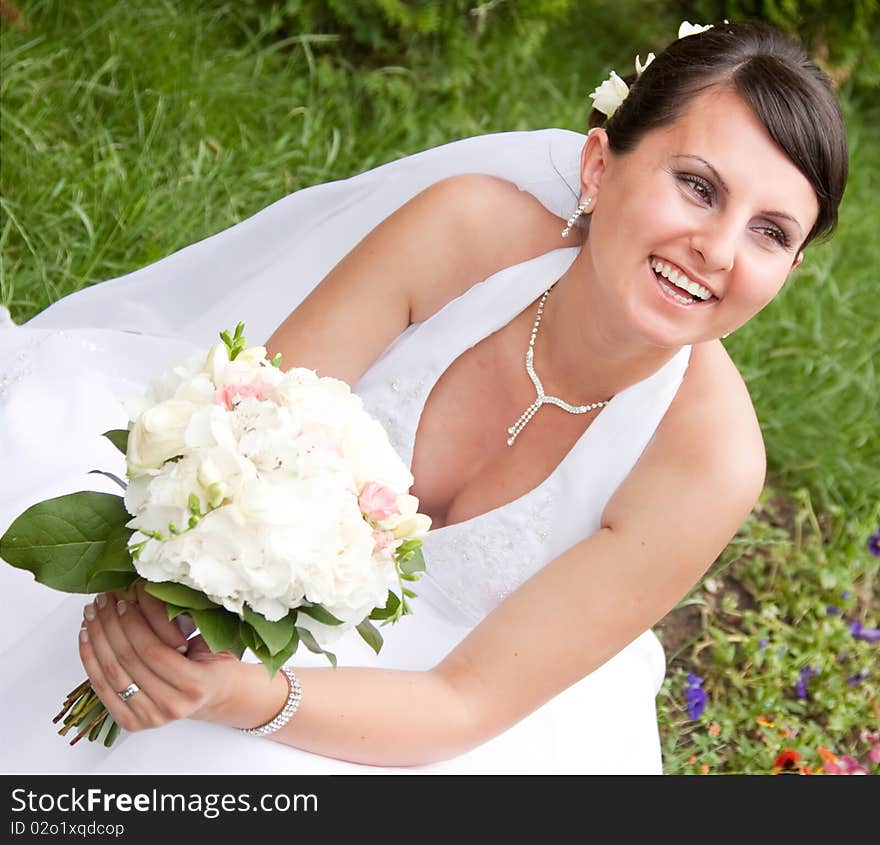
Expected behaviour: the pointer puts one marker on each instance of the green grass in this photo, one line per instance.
(131, 130)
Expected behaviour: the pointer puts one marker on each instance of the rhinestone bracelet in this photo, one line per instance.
(290, 707)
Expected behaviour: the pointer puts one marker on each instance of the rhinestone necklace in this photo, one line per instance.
(542, 398)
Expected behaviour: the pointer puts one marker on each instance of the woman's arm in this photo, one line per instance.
(684, 500)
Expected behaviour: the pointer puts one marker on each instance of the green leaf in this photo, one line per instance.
(113, 569)
(65, 541)
(390, 607)
(174, 611)
(220, 629)
(249, 636)
(119, 438)
(414, 564)
(320, 614)
(371, 635)
(311, 644)
(275, 635)
(273, 661)
(179, 595)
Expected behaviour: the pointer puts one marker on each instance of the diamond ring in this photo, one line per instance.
(129, 691)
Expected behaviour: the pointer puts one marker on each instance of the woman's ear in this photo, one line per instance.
(594, 157)
(798, 259)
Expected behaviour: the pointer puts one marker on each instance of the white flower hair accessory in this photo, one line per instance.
(608, 97)
(687, 28)
(612, 92)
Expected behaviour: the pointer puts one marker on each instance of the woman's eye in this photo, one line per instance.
(775, 234)
(699, 186)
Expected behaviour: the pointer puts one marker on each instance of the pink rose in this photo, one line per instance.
(227, 394)
(378, 502)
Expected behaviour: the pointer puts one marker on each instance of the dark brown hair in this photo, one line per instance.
(774, 76)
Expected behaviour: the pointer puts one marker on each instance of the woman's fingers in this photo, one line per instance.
(127, 649)
(107, 684)
(157, 617)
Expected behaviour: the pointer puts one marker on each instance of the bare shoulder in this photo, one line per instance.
(703, 470)
(450, 236)
(498, 225)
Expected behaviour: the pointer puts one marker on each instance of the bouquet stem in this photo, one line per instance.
(83, 710)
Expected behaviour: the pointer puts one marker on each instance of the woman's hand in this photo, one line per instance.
(127, 638)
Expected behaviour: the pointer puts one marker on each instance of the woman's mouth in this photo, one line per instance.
(676, 287)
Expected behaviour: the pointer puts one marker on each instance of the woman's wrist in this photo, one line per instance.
(247, 696)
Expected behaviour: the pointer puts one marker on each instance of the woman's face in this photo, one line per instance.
(710, 198)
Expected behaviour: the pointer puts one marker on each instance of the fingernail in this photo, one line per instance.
(89, 612)
(182, 648)
(83, 635)
(101, 601)
(121, 607)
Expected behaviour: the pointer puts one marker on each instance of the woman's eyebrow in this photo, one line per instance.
(780, 214)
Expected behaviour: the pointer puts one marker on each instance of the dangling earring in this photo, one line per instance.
(571, 220)
(725, 335)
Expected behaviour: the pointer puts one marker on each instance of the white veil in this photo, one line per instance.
(261, 268)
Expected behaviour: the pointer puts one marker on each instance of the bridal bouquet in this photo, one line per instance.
(268, 506)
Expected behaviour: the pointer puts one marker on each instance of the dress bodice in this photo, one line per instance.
(473, 565)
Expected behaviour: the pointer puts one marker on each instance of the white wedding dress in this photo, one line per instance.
(63, 373)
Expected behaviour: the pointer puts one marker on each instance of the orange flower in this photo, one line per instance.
(827, 755)
(692, 759)
(765, 723)
(704, 769)
(714, 729)
(805, 770)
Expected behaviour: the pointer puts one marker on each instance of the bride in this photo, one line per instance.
(554, 378)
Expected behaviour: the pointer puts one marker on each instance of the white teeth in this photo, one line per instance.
(679, 279)
(675, 295)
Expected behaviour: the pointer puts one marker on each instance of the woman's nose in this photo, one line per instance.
(716, 244)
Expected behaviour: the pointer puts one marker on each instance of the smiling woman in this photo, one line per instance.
(558, 541)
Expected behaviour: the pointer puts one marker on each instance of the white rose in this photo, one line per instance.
(610, 94)
(158, 435)
(686, 28)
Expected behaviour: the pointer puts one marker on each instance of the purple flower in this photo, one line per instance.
(832, 611)
(874, 543)
(859, 632)
(845, 594)
(762, 643)
(696, 696)
(852, 680)
(801, 686)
